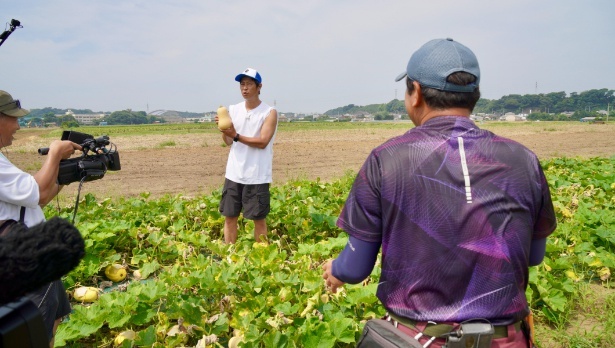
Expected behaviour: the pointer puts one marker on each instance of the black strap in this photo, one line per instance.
(22, 215)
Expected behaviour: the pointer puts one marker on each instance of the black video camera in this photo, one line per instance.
(88, 167)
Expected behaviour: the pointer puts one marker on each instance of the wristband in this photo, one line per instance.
(236, 138)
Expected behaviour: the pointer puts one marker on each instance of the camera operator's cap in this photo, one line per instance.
(432, 64)
(249, 72)
(10, 106)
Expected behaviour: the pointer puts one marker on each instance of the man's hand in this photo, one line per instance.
(63, 148)
(230, 132)
(331, 282)
(47, 176)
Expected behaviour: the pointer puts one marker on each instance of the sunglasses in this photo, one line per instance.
(15, 104)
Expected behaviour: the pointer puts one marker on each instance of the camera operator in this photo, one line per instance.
(22, 197)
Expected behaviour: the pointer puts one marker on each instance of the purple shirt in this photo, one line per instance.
(456, 209)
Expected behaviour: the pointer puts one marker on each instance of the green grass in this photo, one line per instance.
(183, 128)
(164, 144)
(116, 130)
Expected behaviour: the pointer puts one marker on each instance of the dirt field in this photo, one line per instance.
(194, 164)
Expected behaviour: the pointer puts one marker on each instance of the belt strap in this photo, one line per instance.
(437, 330)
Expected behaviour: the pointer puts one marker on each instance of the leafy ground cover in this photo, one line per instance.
(196, 291)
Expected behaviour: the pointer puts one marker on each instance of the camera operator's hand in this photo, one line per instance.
(47, 176)
(63, 149)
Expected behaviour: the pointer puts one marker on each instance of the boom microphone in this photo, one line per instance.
(33, 257)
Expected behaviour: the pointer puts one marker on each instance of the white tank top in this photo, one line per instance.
(250, 165)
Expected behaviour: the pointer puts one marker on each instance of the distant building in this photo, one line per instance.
(85, 119)
(512, 117)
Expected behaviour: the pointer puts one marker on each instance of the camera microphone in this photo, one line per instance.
(33, 257)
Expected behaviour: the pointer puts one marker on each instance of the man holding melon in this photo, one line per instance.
(249, 129)
(459, 213)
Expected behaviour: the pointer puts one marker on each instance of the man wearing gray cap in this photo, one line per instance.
(22, 197)
(460, 214)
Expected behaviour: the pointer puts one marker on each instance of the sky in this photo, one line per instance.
(313, 55)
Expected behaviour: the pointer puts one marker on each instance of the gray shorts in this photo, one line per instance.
(252, 199)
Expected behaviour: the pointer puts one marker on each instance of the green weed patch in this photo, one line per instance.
(195, 288)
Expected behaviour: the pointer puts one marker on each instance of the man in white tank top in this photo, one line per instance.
(249, 166)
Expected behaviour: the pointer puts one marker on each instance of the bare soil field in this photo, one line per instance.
(194, 164)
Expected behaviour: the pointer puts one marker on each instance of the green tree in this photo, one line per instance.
(382, 116)
(67, 119)
(70, 124)
(127, 117)
(540, 116)
(35, 122)
(50, 117)
(395, 106)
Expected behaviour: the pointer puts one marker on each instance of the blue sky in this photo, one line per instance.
(314, 55)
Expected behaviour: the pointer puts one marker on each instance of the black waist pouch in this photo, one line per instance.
(5, 225)
(382, 333)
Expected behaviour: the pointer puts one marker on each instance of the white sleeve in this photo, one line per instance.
(16, 186)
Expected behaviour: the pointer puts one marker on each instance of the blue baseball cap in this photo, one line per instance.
(432, 64)
(249, 72)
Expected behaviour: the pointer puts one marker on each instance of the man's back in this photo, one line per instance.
(460, 213)
(457, 207)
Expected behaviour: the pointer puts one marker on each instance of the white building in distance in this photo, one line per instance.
(86, 119)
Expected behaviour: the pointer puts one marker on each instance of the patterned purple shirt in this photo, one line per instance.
(456, 208)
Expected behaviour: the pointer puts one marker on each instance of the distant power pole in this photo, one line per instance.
(536, 88)
(395, 93)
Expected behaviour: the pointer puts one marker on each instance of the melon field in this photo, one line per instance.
(158, 218)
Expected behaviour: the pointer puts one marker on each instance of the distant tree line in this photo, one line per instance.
(54, 111)
(52, 116)
(131, 117)
(49, 118)
(550, 106)
(395, 106)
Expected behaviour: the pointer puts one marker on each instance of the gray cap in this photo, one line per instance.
(431, 65)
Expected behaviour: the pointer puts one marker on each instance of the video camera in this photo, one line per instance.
(88, 167)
